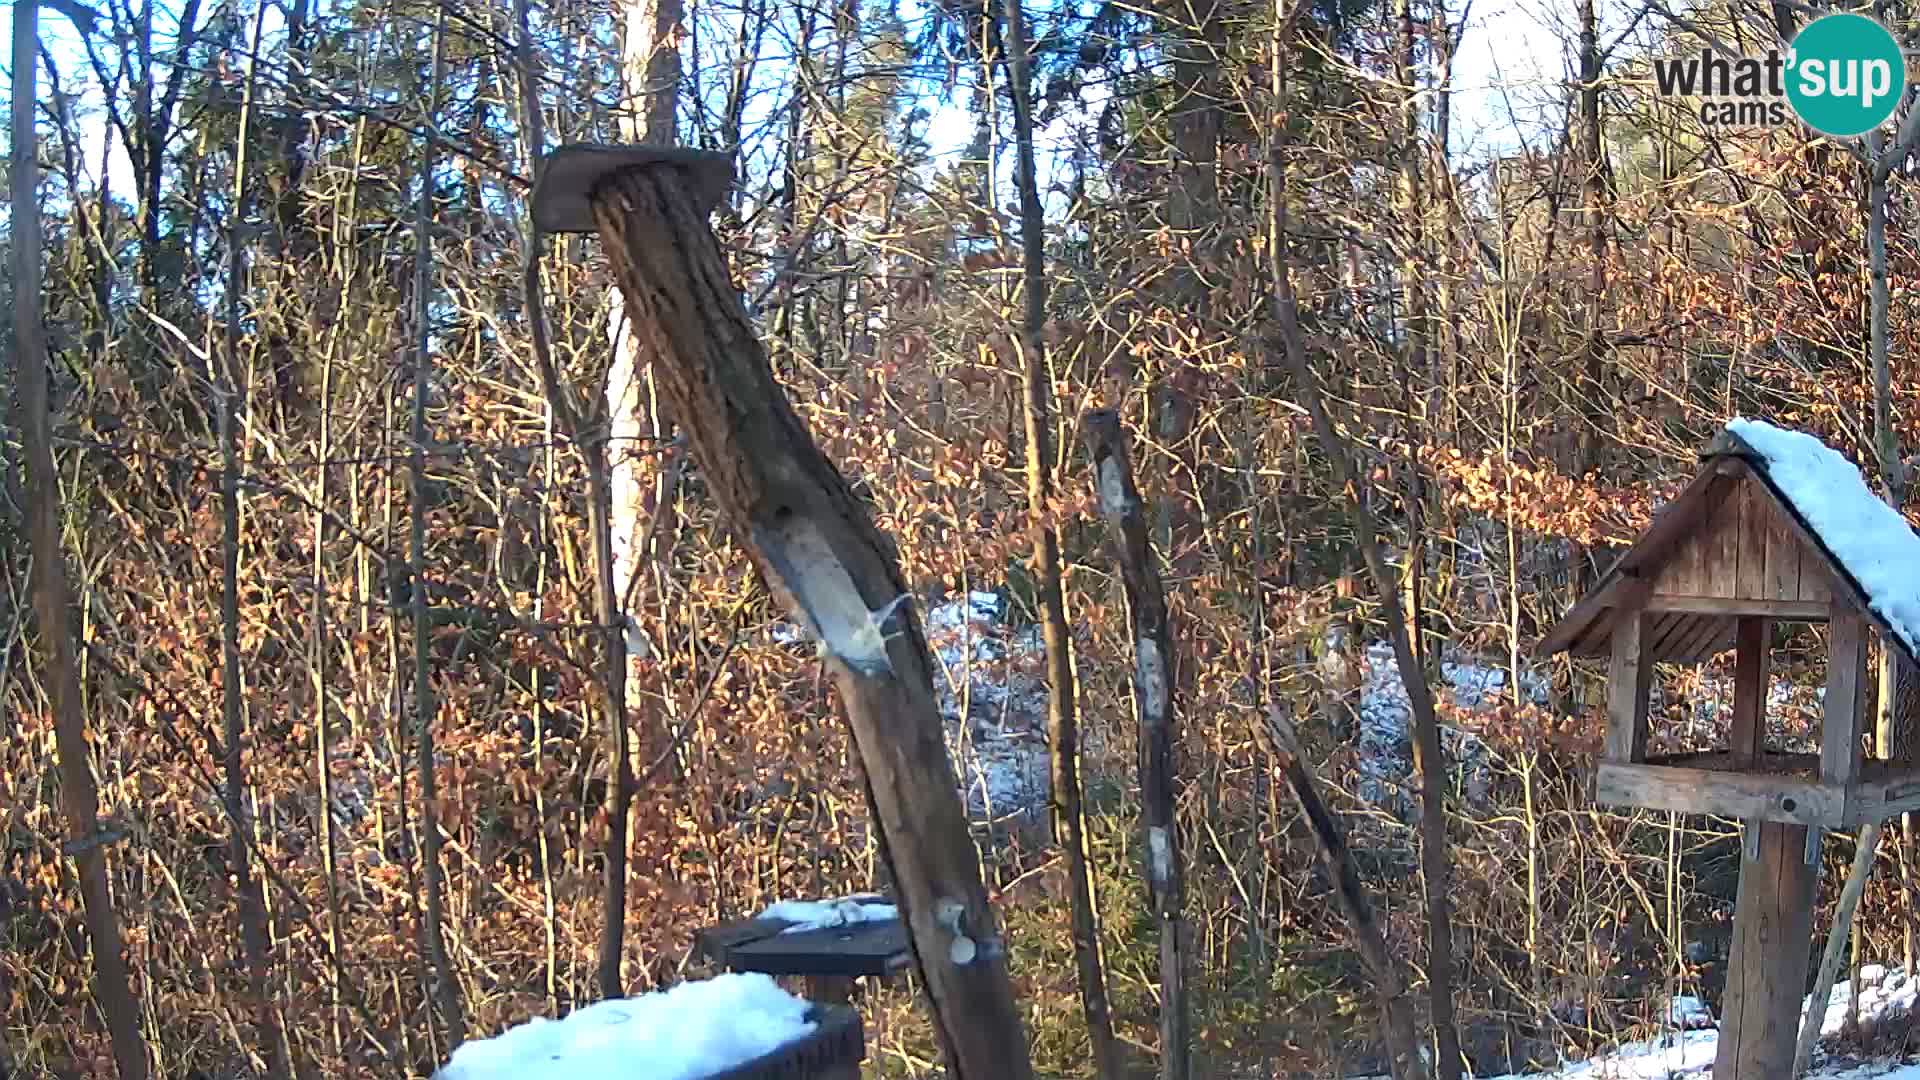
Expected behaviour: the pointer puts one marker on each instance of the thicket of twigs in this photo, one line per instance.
(1522, 346)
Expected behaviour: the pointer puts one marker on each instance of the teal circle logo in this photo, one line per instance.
(1845, 74)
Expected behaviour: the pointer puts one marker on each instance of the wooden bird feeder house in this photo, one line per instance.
(1775, 527)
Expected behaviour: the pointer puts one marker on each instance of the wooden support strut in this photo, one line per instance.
(820, 553)
(1750, 685)
(1773, 912)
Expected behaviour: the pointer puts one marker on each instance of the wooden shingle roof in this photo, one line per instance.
(1731, 543)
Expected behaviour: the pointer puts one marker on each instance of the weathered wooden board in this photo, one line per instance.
(1749, 692)
(1886, 802)
(1844, 704)
(1783, 558)
(1786, 610)
(1724, 576)
(1629, 679)
(1662, 631)
(1748, 549)
(1767, 971)
(1709, 635)
(1753, 543)
(1787, 799)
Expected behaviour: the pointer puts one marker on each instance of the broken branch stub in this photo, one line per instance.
(828, 564)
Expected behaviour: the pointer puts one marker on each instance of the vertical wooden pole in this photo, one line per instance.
(1846, 688)
(1629, 678)
(1748, 735)
(1749, 691)
(1767, 976)
(1773, 914)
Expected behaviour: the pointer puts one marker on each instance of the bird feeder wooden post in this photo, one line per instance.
(1721, 564)
(818, 549)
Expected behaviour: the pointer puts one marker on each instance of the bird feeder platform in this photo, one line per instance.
(829, 958)
(1722, 562)
(1775, 527)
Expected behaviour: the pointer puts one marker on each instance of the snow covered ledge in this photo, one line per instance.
(733, 1027)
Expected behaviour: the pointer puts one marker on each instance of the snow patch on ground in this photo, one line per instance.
(993, 696)
(822, 914)
(1688, 1054)
(1882, 993)
(1689, 1014)
(1385, 744)
(690, 1031)
(1869, 537)
(992, 693)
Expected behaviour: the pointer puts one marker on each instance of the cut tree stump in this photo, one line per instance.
(821, 555)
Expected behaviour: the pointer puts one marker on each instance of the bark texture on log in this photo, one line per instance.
(822, 556)
(1396, 1013)
(1154, 677)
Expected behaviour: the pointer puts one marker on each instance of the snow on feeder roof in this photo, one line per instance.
(733, 1027)
(1775, 523)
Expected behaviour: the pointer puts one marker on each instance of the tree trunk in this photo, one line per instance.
(820, 553)
(640, 501)
(1390, 995)
(604, 507)
(1063, 721)
(1593, 401)
(232, 395)
(1153, 682)
(1199, 52)
(446, 990)
(1893, 486)
(1427, 758)
(79, 798)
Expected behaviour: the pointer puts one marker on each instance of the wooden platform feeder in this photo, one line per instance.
(817, 547)
(829, 959)
(1722, 562)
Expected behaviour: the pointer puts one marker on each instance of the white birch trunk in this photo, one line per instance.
(650, 65)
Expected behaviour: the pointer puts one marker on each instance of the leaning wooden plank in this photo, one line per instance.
(1789, 800)
(819, 551)
(1816, 1013)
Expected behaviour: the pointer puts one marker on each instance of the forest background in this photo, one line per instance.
(313, 486)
